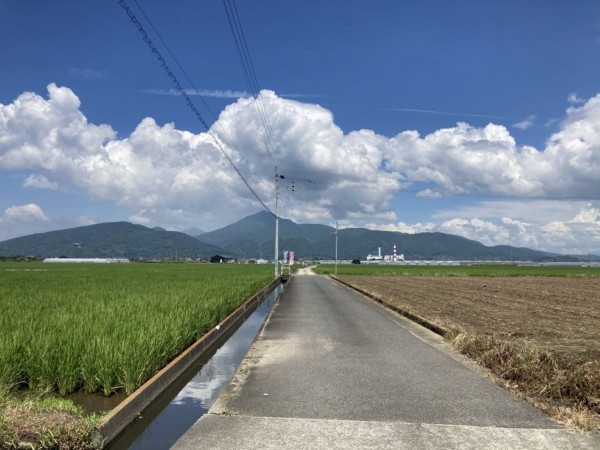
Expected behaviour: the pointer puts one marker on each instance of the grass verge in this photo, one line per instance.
(45, 423)
(565, 388)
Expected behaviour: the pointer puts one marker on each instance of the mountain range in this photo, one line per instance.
(109, 240)
(253, 237)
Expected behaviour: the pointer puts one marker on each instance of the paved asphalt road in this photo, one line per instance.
(333, 369)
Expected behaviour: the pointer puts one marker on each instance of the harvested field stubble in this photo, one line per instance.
(540, 336)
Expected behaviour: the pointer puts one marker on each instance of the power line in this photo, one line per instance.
(251, 79)
(197, 92)
(249, 73)
(187, 99)
(237, 30)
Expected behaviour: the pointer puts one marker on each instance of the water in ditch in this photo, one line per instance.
(192, 395)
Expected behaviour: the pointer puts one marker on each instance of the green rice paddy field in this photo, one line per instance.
(109, 327)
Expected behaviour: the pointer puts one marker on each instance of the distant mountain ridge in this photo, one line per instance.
(253, 237)
(194, 231)
(110, 240)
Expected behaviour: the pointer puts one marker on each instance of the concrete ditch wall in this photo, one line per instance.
(127, 411)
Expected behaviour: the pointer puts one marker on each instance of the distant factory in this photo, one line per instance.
(86, 260)
(394, 257)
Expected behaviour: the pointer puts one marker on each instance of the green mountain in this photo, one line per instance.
(110, 240)
(253, 237)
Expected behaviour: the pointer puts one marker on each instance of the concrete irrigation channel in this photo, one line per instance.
(161, 410)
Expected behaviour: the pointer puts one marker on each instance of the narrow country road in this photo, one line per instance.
(332, 369)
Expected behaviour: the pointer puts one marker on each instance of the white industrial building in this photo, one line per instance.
(86, 260)
(389, 258)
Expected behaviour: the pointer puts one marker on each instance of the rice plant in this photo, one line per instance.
(68, 327)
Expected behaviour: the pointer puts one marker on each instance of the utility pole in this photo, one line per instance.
(277, 222)
(336, 246)
(290, 186)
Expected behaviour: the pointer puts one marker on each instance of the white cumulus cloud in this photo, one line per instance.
(526, 123)
(39, 182)
(574, 99)
(578, 233)
(20, 220)
(173, 178)
(24, 213)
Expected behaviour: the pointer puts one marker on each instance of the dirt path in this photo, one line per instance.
(305, 271)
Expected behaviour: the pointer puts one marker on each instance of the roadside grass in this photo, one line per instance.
(45, 422)
(564, 387)
(484, 270)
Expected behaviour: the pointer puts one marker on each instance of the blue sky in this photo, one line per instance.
(473, 118)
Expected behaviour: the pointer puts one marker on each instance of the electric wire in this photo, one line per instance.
(260, 103)
(183, 93)
(230, 140)
(252, 83)
(251, 79)
(249, 73)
